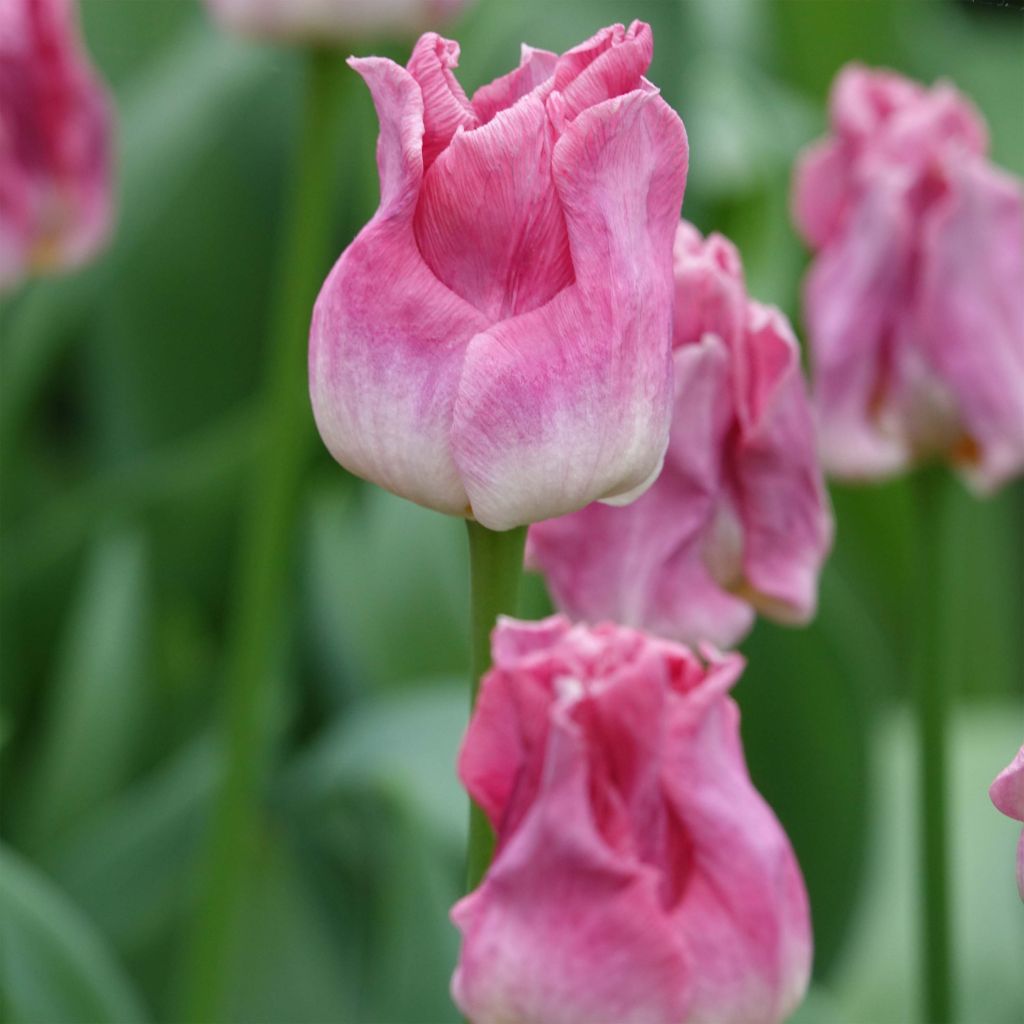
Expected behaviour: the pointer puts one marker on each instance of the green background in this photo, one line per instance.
(128, 439)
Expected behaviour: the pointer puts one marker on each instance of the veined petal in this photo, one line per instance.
(489, 223)
(536, 67)
(445, 106)
(387, 339)
(971, 315)
(571, 402)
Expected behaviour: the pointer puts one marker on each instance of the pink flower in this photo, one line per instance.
(330, 20)
(739, 517)
(639, 876)
(55, 142)
(914, 302)
(1007, 793)
(495, 342)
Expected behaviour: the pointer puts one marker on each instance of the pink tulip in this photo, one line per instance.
(739, 518)
(1007, 793)
(495, 342)
(314, 21)
(914, 302)
(55, 142)
(639, 876)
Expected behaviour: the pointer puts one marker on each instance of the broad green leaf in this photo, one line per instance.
(54, 967)
(96, 710)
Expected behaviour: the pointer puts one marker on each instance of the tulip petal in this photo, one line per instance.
(821, 190)
(388, 339)
(489, 223)
(573, 399)
(557, 880)
(535, 68)
(787, 526)
(445, 106)
(744, 913)
(852, 300)
(971, 310)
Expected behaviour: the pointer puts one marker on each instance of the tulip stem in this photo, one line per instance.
(932, 700)
(495, 569)
(265, 555)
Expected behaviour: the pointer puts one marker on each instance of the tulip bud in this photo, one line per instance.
(496, 341)
(1007, 793)
(914, 303)
(55, 142)
(739, 519)
(638, 874)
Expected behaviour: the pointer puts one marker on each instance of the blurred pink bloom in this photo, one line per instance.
(639, 876)
(327, 20)
(55, 142)
(495, 342)
(914, 302)
(739, 518)
(1007, 793)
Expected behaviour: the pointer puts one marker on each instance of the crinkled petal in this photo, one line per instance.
(710, 296)
(863, 99)
(853, 300)
(783, 505)
(558, 902)
(536, 67)
(971, 315)
(571, 402)
(489, 223)
(445, 106)
(743, 916)
(388, 339)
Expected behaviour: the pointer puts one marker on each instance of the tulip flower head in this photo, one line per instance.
(55, 142)
(914, 304)
(1007, 793)
(638, 875)
(496, 341)
(739, 518)
(323, 21)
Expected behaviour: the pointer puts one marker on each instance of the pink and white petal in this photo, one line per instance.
(618, 69)
(710, 296)
(387, 338)
(536, 67)
(971, 314)
(489, 223)
(743, 915)
(822, 188)
(782, 502)
(557, 880)
(571, 402)
(853, 301)
(445, 106)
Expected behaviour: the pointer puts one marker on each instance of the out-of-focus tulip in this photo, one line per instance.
(914, 302)
(496, 341)
(638, 876)
(1007, 793)
(314, 21)
(55, 142)
(739, 518)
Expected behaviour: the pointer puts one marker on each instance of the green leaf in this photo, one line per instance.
(53, 964)
(96, 707)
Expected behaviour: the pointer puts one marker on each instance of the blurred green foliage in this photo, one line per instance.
(126, 403)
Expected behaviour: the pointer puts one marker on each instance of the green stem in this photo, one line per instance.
(932, 700)
(495, 569)
(266, 549)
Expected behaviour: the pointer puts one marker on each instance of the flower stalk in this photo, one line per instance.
(495, 570)
(265, 555)
(932, 702)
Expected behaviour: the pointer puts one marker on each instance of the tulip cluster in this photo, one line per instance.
(914, 303)
(55, 142)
